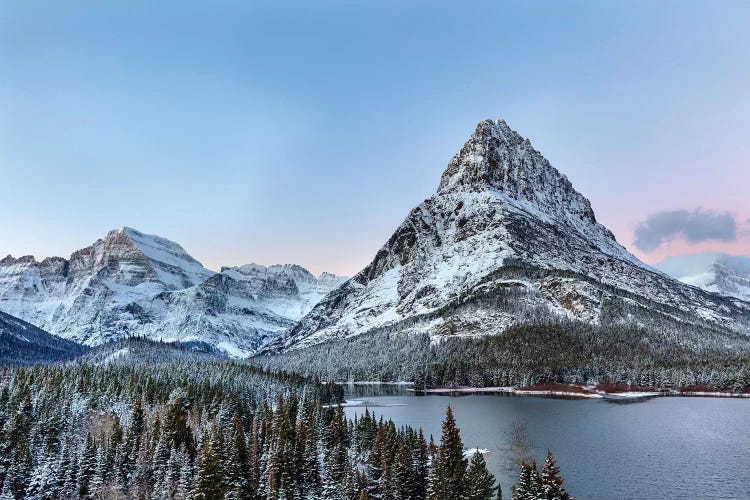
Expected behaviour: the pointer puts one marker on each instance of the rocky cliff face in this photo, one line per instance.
(505, 240)
(131, 283)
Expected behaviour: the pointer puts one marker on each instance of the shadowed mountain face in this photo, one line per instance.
(131, 283)
(505, 240)
(22, 343)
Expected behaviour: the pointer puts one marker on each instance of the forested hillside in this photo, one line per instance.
(571, 352)
(22, 343)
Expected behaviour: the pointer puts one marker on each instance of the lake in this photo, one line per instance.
(649, 449)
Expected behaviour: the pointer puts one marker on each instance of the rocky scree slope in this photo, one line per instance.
(506, 240)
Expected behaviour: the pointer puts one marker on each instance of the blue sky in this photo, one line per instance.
(305, 132)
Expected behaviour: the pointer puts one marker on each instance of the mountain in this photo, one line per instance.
(23, 343)
(715, 272)
(131, 283)
(506, 240)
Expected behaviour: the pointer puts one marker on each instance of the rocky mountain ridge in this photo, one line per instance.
(505, 240)
(715, 272)
(131, 283)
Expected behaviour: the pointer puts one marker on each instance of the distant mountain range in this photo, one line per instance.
(131, 283)
(715, 272)
(23, 343)
(506, 240)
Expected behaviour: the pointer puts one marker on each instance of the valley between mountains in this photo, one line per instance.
(503, 277)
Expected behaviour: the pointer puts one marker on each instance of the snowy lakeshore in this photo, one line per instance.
(580, 392)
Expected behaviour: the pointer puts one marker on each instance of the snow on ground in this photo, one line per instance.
(232, 350)
(122, 353)
(362, 403)
(445, 390)
(593, 395)
(632, 395)
(470, 452)
(559, 393)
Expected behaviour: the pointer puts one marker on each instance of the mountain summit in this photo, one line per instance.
(506, 240)
(133, 283)
(498, 158)
(715, 272)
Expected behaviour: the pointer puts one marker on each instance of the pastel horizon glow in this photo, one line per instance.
(300, 133)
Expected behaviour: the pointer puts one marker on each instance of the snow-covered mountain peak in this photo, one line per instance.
(174, 267)
(291, 270)
(505, 239)
(499, 159)
(712, 271)
(133, 283)
(25, 259)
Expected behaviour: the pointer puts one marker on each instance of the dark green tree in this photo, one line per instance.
(480, 483)
(87, 468)
(209, 483)
(450, 464)
(552, 488)
(529, 484)
(402, 473)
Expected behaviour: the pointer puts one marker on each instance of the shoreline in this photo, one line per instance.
(571, 391)
(582, 392)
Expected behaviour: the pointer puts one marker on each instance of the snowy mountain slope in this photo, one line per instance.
(23, 343)
(173, 266)
(131, 283)
(712, 271)
(506, 239)
(288, 290)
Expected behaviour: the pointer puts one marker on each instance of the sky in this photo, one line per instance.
(304, 132)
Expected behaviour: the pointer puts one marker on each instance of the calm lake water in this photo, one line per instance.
(652, 449)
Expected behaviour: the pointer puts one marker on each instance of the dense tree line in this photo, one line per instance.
(101, 431)
(214, 430)
(663, 355)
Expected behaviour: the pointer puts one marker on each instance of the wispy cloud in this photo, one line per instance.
(693, 226)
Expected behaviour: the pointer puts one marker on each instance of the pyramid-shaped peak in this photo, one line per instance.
(172, 264)
(497, 158)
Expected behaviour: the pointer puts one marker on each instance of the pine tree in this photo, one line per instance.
(337, 468)
(42, 484)
(450, 464)
(551, 481)
(87, 468)
(68, 472)
(254, 467)
(311, 467)
(176, 430)
(529, 484)
(185, 482)
(420, 468)
(101, 472)
(159, 468)
(238, 463)
(402, 474)
(480, 484)
(376, 464)
(208, 478)
(17, 477)
(132, 444)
